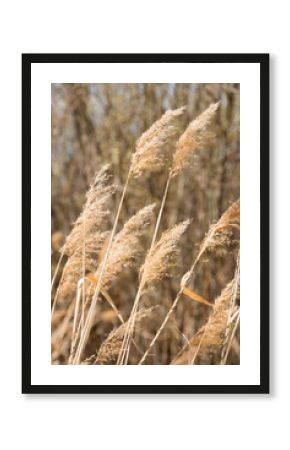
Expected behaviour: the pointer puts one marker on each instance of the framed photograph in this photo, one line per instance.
(145, 223)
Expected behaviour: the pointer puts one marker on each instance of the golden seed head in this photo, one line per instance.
(154, 148)
(195, 135)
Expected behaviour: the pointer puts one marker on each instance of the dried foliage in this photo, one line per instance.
(121, 258)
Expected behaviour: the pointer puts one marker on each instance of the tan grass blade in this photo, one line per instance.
(107, 297)
(196, 297)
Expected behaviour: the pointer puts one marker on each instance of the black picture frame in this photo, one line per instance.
(27, 61)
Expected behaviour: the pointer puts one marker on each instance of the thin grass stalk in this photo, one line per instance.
(128, 336)
(198, 348)
(225, 357)
(56, 295)
(56, 270)
(158, 221)
(76, 312)
(76, 333)
(230, 311)
(84, 270)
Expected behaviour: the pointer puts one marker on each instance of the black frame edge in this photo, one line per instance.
(265, 223)
(27, 60)
(26, 225)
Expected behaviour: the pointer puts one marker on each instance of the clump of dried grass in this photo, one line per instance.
(164, 255)
(226, 220)
(110, 348)
(87, 237)
(224, 233)
(106, 255)
(95, 212)
(74, 267)
(206, 346)
(126, 250)
(127, 247)
(158, 264)
(195, 134)
(154, 147)
(147, 158)
(83, 246)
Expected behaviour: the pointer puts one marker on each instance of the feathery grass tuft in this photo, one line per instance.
(95, 212)
(153, 152)
(127, 247)
(195, 135)
(163, 256)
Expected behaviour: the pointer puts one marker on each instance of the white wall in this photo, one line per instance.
(73, 422)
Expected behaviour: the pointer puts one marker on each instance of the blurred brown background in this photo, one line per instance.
(94, 124)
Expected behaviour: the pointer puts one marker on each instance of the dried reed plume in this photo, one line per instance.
(110, 348)
(95, 212)
(163, 256)
(206, 346)
(153, 148)
(87, 237)
(229, 217)
(127, 247)
(159, 261)
(194, 136)
(225, 232)
(73, 269)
